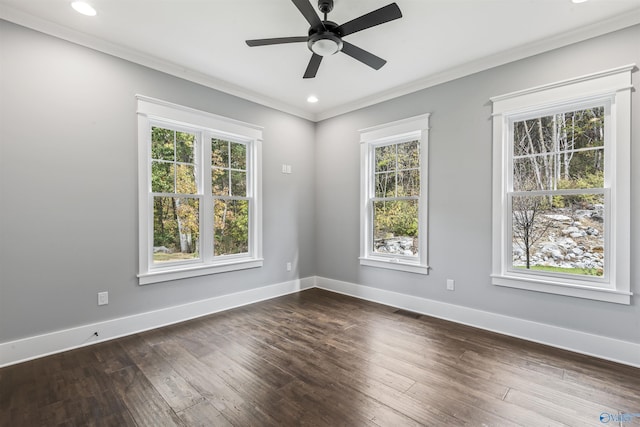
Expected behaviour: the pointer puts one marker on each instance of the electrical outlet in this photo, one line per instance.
(103, 298)
(288, 266)
(451, 284)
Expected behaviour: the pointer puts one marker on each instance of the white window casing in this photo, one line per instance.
(410, 129)
(612, 90)
(153, 112)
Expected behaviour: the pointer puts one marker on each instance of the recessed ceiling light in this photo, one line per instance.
(578, 1)
(312, 99)
(84, 8)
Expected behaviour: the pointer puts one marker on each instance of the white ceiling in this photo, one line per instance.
(434, 41)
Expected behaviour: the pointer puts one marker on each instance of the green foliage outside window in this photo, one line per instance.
(552, 153)
(228, 182)
(397, 188)
(176, 227)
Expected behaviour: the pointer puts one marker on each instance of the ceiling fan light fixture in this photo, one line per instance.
(325, 44)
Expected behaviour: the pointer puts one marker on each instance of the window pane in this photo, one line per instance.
(409, 155)
(583, 128)
(385, 184)
(559, 234)
(559, 132)
(385, 158)
(238, 156)
(185, 147)
(582, 169)
(238, 183)
(176, 229)
(559, 151)
(186, 179)
(162, 177)
(395, 227)
(219, 153)
(409, 183)
(534, 173)
(162, 143)
(231, 227)
(220, 182)
(534, 136)
(575, 169)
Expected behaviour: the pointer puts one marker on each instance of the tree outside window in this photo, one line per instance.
(199, 193)
(557, 203)
(394, 203)
(561, 187)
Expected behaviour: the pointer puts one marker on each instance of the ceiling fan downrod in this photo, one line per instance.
(325, 7)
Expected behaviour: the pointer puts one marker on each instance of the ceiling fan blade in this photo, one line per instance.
(309, 13)
(313, 66)
(371, 19)
(278, 40)
(362, 55)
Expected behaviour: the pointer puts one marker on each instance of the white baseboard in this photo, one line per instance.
(599, 346)
(21, 350)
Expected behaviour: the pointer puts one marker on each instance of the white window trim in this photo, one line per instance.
(614, 86)
(152, 110)
(417, 127)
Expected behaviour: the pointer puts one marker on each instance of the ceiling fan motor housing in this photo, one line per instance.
(325, 42)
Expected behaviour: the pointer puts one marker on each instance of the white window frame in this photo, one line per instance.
(611, 88)
(154, 112)
(413, 128)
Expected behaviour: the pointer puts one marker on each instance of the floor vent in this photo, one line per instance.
(408, 313)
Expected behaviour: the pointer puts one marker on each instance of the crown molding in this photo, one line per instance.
(616, 23)
(83, 39)
(521, 52)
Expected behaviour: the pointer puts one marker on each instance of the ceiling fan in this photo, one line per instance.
(325, 37)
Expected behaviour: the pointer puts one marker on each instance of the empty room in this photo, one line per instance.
(327, 213)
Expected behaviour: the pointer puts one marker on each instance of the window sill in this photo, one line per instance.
(395, 264)
(559, 288)
(185, 272)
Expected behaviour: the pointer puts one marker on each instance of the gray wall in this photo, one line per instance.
(460, 191)
(68, 193)
(68, 186)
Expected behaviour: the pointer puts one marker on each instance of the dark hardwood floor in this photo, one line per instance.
(318, 358)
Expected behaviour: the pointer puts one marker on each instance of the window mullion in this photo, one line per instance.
(396, 169)
(229, 165)
(175, 161)
(206, 207)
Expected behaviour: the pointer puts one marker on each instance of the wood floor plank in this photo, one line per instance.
(550, 387)
(203, 414)
(316, 358)
(144, 402)
(585, 414)
(206, 379)
(175, 390)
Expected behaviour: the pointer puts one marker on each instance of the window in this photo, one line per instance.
(561, 188)
(199, 193)
(394, 196)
